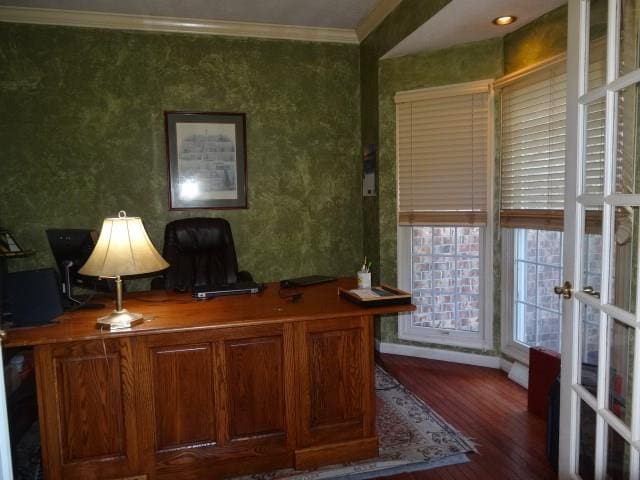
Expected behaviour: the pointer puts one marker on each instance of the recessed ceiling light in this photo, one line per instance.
(505, 20)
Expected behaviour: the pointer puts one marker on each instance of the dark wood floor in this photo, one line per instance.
(484, 405)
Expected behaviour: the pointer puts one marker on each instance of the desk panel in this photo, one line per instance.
(336, 396)
(87, 409)
(183, 395)
(255, 380)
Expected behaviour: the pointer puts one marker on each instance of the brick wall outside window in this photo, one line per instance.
(446, 277)
(538, 268)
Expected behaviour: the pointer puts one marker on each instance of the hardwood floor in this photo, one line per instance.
(485, 406)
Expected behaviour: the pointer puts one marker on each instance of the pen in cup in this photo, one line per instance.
(364, 275)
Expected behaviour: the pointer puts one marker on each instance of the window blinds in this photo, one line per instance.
(442, 153)
(533, 144)
(533, 149)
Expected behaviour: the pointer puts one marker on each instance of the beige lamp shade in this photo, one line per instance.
(123, 248)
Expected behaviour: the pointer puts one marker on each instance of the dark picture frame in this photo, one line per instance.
(207, 157)
(8, 244)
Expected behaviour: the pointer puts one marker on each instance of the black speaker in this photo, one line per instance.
(32, 297)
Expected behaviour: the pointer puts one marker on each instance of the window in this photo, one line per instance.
(538, 268)
(446, 277)
(532, 200)
(444, 268)
(444, 197)
(535, 310)
(531, 208)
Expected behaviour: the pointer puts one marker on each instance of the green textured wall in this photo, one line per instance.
(82, 137)
(545, 37)
(404, 19)
(463, 63)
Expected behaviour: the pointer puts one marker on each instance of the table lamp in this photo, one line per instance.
(123, 248)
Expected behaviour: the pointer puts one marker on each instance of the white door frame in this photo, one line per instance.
(569, 343)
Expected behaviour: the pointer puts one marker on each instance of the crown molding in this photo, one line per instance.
(375, 17)
(119, 21)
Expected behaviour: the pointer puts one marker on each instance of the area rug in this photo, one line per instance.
(412, 437)
(26, 456)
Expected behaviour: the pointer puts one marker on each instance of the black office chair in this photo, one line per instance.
(199, 251)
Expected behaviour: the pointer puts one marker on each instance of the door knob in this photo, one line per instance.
(565, 290)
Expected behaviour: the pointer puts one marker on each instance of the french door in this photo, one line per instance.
(600, 400)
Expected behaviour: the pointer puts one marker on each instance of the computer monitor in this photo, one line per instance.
(71, 248)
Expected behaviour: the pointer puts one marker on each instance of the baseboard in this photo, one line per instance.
(505, 365)
(519, 373)
(437, 354)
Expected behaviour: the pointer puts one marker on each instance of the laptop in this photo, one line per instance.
(204, 292)
(306, 281)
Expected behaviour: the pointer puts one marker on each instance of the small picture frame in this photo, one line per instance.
(207, 158)
(8, 244)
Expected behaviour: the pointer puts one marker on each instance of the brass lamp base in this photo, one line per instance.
(119, 320)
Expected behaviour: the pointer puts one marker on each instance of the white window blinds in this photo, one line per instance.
(442, 154)
(533, 148)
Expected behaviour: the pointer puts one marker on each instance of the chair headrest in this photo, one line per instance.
(194, 235)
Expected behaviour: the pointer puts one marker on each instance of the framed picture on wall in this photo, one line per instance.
(207, 156)
(8, 244)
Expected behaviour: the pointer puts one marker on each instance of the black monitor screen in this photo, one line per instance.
(72, 245)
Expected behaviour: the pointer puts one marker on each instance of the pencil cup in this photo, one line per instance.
(364, 279)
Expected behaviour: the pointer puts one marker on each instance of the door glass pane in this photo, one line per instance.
(624, 261)
(628, 36)
(626, 140)
(593, 175)
(589, 347)
(587, 436)
(597, 43)
(618, 456)
(621, 344)
(592, 251)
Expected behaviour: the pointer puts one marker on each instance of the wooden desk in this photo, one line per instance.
(209, 389)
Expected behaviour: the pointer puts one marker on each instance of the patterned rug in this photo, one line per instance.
(26, 456)
(412, 437)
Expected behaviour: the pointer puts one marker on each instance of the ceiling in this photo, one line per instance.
(463, 21)
(460, 21)
(308, 13)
